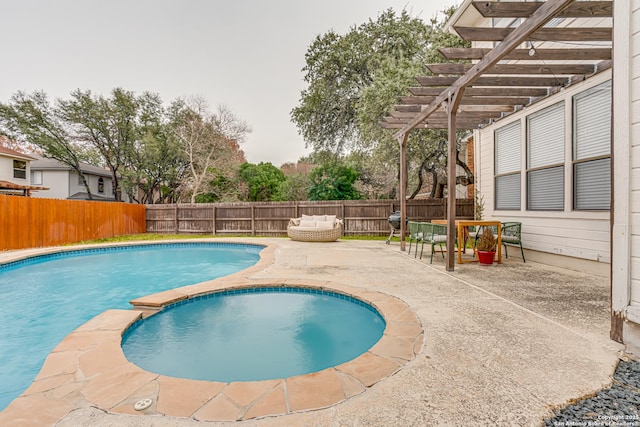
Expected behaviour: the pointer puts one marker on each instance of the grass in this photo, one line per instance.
(144, 236)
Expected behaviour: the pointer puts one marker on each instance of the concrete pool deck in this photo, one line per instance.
(502, 345)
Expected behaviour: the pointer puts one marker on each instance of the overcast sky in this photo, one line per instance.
(246, 54)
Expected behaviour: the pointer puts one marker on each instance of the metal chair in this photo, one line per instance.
(415, 235)
(511, 235)
(434, 234)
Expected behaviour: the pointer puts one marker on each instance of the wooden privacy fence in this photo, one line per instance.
(27, 222)
(361, 217)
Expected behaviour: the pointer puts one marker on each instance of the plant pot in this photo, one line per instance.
(486, 257)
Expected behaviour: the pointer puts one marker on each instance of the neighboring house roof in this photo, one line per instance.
(44, 163)
(82, 195)
(13, 153)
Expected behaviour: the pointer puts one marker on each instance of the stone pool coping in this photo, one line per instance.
(88, 367)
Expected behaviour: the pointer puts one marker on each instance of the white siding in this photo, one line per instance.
(6, 171)
(57, 182)
(579, 234)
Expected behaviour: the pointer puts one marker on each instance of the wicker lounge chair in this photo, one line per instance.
(315, 228)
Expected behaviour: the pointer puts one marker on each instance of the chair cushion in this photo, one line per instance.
(307, 224)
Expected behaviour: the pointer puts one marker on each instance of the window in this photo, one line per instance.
(508, 149)
(80, 179)
(545, 159)
(592, 148)
(100, 185)
(20, 169)
(36, 177)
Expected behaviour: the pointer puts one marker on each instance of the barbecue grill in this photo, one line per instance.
(394, 222)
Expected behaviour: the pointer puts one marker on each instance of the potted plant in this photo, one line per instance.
(486, 246)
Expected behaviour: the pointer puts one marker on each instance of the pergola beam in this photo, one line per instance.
(495, 80)
(405, 111)
(554, 69)
(442, 114)
(572, 54)
(568, 34)
(408, 108)
(580, 9)
(484, 91)
(438, 125)
(471, 100)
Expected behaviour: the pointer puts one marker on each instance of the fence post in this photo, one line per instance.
(176, 218)
(253, 220)
(214, 220)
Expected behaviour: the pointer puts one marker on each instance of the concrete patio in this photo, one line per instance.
(503, 344)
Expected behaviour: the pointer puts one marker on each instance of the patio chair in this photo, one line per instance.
(415, 235)
(434, 234)
(511, 235)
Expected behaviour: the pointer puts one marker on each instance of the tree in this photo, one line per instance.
(355, 79)
(208, 140)
(111, 125)
(32, 119)
(296, 185)
(333, 182)
(156, 169)
(263, 181)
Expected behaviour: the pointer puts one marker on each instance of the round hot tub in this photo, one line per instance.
(253, 334)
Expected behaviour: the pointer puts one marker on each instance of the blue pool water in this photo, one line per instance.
(43, 299)
(253, 334)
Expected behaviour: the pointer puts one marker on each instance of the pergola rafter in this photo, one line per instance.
(533, 69)
(468, 96)
(583, 9)
(575, 54)
(596, 34)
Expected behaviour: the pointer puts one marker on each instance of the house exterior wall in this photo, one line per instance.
(57, 182)
(625, 269)
(582, 235)
(76, 187)
(64, 183)
(6, 170)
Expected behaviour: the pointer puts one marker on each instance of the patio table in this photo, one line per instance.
(463, 225)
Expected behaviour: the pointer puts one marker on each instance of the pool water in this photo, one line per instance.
(45, 298)
(254, 334)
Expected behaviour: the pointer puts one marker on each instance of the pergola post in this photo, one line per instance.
(452, 104)
(402, 141)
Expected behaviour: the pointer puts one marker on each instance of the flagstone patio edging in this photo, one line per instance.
(89, 368)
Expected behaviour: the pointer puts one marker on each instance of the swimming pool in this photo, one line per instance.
(46, 297)
(253, 334)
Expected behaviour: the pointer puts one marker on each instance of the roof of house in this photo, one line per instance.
(44, 163)
(82, 195)
(13, 153)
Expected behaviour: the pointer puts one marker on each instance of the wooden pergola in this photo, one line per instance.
(469, 96)
(13, 188)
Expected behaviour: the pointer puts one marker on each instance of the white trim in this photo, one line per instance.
(633, 314)
(621, 151)
(448, 26)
